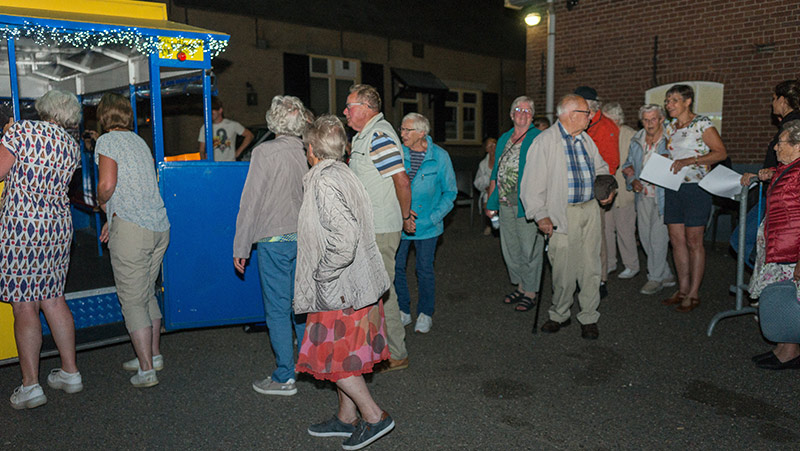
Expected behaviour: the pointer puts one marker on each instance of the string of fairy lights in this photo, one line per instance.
(127, 37)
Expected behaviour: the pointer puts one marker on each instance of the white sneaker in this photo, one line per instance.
(144, 379)
(669, 282)
(651, 287)
(424, 323)
(61, 380)
(627, 274)
(270, 387)
(405, 318)
(133, 364)
(28, 397)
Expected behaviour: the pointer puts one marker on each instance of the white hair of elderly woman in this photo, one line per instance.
(59, 106)
(614, 112)
(287, 116)
(421, 123)
(327, 137)
(522, 99)
(652, 107)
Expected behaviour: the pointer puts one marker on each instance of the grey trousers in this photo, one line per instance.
(654, 237)
(395, 332)
(522, 247)
(622, 223)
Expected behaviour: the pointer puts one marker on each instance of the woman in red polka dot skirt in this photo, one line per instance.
(339, 280)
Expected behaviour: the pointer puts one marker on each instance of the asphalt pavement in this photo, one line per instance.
(479, 380)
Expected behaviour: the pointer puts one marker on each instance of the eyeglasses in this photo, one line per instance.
(523, 110)
(409, 130)
(582, 111)
(351, 105)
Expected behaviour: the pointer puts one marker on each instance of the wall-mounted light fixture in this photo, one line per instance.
(532, 18)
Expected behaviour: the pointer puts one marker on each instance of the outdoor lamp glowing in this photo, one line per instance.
(533, 19)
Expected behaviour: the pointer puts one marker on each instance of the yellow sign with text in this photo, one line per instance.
(180, 49)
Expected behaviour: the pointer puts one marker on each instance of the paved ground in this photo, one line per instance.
(479, 380)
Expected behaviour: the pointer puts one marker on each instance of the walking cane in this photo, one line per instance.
(539, 297)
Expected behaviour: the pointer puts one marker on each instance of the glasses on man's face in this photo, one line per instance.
(523, 110)
(350, 106)
(587, 112)
(407, 130)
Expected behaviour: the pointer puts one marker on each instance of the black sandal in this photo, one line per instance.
(525, 304)
(513, 298)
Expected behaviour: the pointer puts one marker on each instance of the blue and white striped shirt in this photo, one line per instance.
(580, 168)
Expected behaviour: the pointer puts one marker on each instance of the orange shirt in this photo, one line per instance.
(605, 134)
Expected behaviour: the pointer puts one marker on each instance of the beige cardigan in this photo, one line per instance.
(543, 189)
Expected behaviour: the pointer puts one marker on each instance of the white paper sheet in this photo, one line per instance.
(657, 171)
(723, 182)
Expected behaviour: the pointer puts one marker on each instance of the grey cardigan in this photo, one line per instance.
(338, 262)
(272, 193)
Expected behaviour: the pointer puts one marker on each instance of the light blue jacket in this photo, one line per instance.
(433, 191)
(494, 201)
(635, 156)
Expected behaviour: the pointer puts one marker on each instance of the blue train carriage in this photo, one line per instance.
(93, 46)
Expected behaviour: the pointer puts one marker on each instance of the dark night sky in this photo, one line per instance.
(479, 26)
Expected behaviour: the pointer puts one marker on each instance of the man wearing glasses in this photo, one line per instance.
(558, 193)
(377, 161)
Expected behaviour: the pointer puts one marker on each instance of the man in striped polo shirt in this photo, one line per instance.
(377, 161)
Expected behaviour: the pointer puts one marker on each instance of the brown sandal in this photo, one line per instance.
(676, 298)
(693, 304)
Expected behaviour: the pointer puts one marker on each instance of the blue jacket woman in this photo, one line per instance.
(433, 190)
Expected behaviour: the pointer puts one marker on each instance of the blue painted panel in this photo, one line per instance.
(201, 286)
(91, 308)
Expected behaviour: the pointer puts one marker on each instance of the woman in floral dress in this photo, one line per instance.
(37, 160)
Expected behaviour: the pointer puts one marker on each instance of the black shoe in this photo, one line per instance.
(772, 363)
(367, 433)
(590, 331)
(603, 290)
(760, 357)
(552, 327)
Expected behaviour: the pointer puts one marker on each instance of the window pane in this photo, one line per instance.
(451, 123)
(342, 91)
(319, 65)
(319, 96)
(452, 96)
(409, 108)
(470, 97)
(469, 131)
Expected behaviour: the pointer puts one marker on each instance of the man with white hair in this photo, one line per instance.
(653, 232)
(377, 161)
(558, 193)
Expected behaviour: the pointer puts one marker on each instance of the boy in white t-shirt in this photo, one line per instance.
(224, 132)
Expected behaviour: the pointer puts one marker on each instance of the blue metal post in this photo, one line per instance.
(132, 90)
(207, 114)
(12, 74)
(155, 107)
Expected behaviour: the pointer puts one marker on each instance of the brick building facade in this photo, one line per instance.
(748, 46)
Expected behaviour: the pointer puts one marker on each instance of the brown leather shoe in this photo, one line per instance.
(392, 365)
(693, 304)
(676, 298)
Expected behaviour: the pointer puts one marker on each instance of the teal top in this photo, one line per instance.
(494, 203)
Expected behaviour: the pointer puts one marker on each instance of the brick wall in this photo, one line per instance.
(749, 46)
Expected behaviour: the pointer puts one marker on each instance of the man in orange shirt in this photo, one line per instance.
(605, 134)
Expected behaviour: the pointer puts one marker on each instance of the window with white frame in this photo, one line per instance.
(707, 99)
(409, 102)
(463, 123)
(331, 79)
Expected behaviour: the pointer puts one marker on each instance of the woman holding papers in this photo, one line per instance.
(693, 143)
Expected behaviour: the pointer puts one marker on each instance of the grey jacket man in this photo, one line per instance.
(338, 262)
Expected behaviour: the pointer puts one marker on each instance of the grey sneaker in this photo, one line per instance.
(405, 318)
(366, 433)
(270, 387)
(667, 283)
(28, 397)
(144, 379)
(651, 287)
(334, 428)
(133, 364)
(61, 380)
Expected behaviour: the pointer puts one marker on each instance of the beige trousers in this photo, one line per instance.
(395, 332)
(575, 258)
(620, 231)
